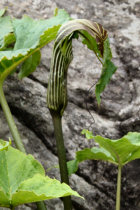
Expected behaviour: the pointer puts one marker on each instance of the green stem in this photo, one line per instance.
(61, 155)
(10, 121)
(12, 208)
(14, 131)
(118, 194)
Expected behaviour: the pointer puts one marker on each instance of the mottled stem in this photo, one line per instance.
(61, 155)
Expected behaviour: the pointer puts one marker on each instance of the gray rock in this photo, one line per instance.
(119, 111)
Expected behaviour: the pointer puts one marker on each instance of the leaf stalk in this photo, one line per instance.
(118, 194)
(10, 120)
(61, 155)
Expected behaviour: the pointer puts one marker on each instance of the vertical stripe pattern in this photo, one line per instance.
(62, 56)
(57, 86)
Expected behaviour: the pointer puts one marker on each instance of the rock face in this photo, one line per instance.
(119, 111)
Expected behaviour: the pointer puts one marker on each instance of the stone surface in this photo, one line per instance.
(119, 111)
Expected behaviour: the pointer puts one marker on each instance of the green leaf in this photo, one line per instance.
(6, 32)
(22, 180)
(72, 166)
(9, 60)
(107, 51)
(41, 188)
(87, 133)
(30, 65)
(4, 144)
(31, 35)
(134, 138)
(122, 149)
(90, 42)
(94, 154)
(119, 151)
(107, 71)
(2, 11)
(88, 154)
(17, 167)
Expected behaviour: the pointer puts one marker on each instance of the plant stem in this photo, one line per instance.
(15, 133)
(10, 121)
(61, 155)
(118, 194)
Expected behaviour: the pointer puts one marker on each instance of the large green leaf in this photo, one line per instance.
(41, 188)
(17, 167)
(119, 152)
(29, 32)
(4, 144)
(37, 33)
(122, 150)
(31, 35)
(22, 180)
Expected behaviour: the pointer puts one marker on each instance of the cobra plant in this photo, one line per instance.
(95, 37)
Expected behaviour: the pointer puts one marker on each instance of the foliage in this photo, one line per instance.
(118, 152)
(31, 35)
(23, 180)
